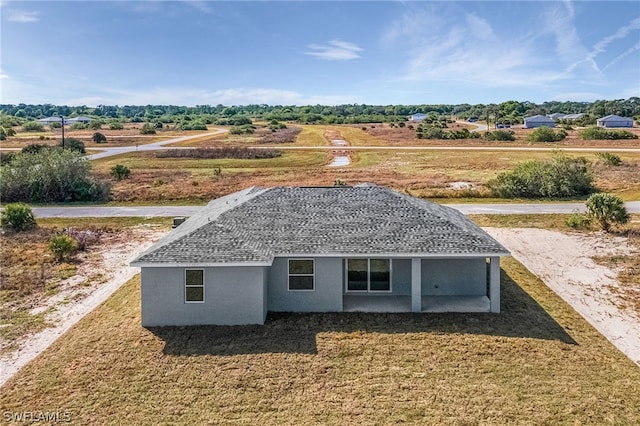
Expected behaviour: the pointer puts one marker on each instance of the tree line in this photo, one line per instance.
(510, 112)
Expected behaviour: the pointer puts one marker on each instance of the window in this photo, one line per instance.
(194, 286)
(368, 275)
(301, 274)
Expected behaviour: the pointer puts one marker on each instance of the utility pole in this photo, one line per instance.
(62, 123)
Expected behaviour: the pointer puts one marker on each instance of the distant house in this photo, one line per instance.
(615, 121)
(79, 119)
(538, 121)
(556, 116)
(50, 120)
(572, 116)
(418, 117)
(318, 249)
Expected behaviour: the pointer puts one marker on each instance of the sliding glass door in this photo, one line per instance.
(368, 275)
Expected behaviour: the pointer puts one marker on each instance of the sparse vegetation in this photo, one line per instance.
(62, 246)
(285, 135)
(148, 129)
(578, 221)
(225, 152)
(500, 135)
(609, 159)
(559, 177)
(601, 133)
(73, 144)
(32, 126)
(547, 134)
(120, 171)
(607, 210)
(17, 217)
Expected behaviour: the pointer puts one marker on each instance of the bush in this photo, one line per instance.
(6, 157)
(79, 126)
(32, 126)
(578, 221)
(245, 129)
(62, 246)
(116, 125)
(607, 210)
(600, 133)
(560, 177)
(33, 148)
(243, 153)
(609, 159)
(120, 171)
(95, 124)
(148, 129)
(17, 217)
(547, 134)
(83, 239)
(49, 175)
(500, 135)
(73, 144)
(99, 138)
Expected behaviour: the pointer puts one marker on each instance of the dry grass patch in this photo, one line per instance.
(537, 362)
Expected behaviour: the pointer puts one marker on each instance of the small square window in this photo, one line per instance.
(194, 286)
(301, 274)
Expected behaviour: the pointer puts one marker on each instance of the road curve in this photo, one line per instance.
(173, 211)
(111, 151)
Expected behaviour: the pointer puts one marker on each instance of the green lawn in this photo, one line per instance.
(538, 362)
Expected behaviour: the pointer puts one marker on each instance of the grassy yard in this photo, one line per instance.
(538, 362)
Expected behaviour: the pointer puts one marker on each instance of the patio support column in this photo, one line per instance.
(416, 285)
(494, 284)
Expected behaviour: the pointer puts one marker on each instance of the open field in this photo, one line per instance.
(430, 174)
(538, 362)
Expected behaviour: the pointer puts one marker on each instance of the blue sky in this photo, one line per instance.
(299, 53)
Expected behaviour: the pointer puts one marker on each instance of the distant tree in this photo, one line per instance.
(74, 145)
(99, 138)
(120, 172)
(607, 210)
(32, 126)
(148, 129)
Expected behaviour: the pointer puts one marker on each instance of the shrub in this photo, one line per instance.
(285, 135)
(578, 221)
(500, 135)
(6, 157)
(82, 238)
(73, 144)
(79, 126)
(600, 133)
(3, 134)
(95, 124)
(49, 175)
(17, 217)
(116, 125)
(607, 210)
(120, 171)
(55, 125)
(245, 129)
(547, 134)
(32, 126)
(34, 148)
(99, 138)
(609, 159)
(62, 246)
(148, 129)
(242, 153)
(560, 177)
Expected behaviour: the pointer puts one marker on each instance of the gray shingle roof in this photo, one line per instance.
(255, 225)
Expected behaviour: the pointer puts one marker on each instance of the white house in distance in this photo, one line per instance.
(615, 121)
(538, 121)
(80, 119)
(360, 248)
(418, 117)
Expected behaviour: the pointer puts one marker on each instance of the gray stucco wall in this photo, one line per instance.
(401, 277)
(454, 277)
(327, 296)
(233, 295)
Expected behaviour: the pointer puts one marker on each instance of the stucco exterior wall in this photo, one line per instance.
(454, 277)
(326, 297)
(233, 295)
(401, 277)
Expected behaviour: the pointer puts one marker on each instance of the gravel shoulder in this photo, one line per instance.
(564, 261)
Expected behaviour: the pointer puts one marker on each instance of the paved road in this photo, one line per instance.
(172, 211)
(111, 151)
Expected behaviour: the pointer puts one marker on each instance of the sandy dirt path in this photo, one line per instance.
(564, 262)
(115, 261)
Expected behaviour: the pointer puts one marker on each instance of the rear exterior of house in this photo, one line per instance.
(615, 121)
(335, 249)
(538, 121)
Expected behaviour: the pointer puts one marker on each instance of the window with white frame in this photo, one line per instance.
(194, 285)
(368, 275)
(301, 274)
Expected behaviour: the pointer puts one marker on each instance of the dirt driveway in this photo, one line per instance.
(564, 261)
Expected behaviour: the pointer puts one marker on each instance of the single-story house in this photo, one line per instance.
(557, 116)
(359, 248)
(49, 120)
(538, 121)
(79, 119)
(418, 117)
(573, 116)
(615, 121)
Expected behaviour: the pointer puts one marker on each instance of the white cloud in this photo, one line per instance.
(334, 50)
(22, 16)
(623, 55)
